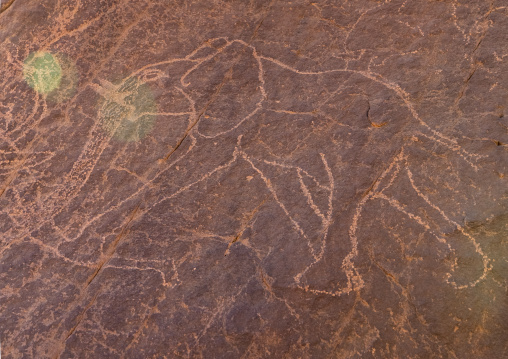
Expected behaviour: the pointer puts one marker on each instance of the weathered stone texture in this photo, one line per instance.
(254, 179)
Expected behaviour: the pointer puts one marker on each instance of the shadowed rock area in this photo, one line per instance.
(254, 179)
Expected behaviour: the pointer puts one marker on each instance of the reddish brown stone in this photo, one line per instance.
(253, 179)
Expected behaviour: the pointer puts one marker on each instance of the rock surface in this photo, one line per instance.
(254, 179)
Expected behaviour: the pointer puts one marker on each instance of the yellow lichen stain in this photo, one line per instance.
(378, 125)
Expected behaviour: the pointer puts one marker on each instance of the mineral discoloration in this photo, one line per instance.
(253, 179)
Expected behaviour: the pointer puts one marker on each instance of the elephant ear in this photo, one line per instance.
(227, 89)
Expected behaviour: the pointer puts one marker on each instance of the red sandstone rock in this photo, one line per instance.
(253, 179)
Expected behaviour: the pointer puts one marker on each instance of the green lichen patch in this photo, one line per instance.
(52, 75)
(128, 109)
(42, 72)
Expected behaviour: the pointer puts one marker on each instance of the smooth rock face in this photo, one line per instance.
(254, 179)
